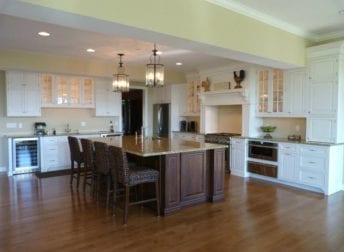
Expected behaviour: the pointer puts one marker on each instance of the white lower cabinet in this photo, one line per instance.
(288, 159)
(238, 154)
(319, 167)
(54, 153)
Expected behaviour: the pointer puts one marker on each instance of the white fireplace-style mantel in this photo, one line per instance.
(225, 97)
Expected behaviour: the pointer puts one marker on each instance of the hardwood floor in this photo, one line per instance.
(45, 215)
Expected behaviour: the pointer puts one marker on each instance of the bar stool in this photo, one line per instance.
(129, 177)
(101, 160)
(76, 156)
(90, 172)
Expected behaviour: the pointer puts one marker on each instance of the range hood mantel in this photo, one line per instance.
(225, 97)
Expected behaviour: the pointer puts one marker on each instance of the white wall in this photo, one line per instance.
(287, 126)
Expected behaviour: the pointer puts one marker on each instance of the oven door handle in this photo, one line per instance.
(263, 146)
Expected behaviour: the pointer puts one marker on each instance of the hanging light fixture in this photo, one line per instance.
(154, 71)
(120, 82)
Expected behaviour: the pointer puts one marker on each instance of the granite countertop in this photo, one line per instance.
(149, 146)
(285, 140)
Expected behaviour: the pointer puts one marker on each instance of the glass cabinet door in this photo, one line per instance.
(263, 82)
(74, 91)
(47, 89)
(62, 90)
(277, 90)
(88, 92)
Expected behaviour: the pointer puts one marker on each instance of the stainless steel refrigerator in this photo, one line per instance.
(161, 119)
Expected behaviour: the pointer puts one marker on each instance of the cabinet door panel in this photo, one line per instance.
(193, 166)
(321, 129)
(287, 166)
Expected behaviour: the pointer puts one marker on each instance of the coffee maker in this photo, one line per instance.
(40, 128)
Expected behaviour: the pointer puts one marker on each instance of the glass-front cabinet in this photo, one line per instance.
(67, 91)
(270, 92)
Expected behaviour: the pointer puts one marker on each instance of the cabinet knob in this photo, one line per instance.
(311, 177)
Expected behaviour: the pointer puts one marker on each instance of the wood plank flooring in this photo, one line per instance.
(46, 215)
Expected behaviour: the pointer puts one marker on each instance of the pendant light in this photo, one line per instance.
(154, 71)
(120, 81)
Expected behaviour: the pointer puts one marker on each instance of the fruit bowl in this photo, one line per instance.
(268, 129)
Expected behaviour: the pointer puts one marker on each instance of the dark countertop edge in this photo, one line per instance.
(285, 140)
(152, 154)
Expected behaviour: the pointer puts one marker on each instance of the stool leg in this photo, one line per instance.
(78, 176)
(157, 195)
(71, 171)
(126, 205)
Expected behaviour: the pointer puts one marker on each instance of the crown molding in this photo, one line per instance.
(252, 13)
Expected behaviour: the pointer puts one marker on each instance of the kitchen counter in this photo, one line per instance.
(285, 140)
(150, 146)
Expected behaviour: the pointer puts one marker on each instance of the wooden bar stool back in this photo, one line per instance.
(103, 169)
(131, 176)
(77, 157)
(90, 172)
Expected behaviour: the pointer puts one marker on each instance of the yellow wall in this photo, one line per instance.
(194, 20)
(69, 65)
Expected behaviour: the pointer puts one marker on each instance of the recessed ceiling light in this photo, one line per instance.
(90, 50)
(179, 63)
(341, 12)
(44, 34)
(159, 52)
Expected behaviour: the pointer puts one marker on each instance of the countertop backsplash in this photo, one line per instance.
(286, 126)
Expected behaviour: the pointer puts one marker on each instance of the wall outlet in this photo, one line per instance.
(83, 124)
(297, 128)
(11, 125)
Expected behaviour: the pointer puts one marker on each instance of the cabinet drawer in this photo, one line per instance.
(291, 148)
(312, 178)
(238, 142)
(50, 162)
(313, 163)
(314, 151)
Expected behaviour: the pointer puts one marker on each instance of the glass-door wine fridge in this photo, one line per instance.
(25, 155)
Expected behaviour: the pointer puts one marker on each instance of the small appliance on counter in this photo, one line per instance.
(183, 126)
(40, 128)
(192, 126)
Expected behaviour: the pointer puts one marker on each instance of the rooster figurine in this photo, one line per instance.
(239, 79)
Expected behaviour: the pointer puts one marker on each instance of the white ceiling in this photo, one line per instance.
(71, 36)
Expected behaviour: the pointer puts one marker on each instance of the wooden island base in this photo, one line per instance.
(189, 178)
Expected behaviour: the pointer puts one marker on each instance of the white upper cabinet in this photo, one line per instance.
(295, 89)
(108, 103)
(325, 93)
(67, 91)
(270, 92)
(23, 94)
(321, 98)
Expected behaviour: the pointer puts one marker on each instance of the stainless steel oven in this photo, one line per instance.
(262, 158)
(263, 150)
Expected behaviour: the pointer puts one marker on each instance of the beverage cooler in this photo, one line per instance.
(23, 155)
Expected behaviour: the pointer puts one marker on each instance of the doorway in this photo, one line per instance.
(132, 111)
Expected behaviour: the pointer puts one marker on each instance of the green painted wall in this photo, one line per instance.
(195, 20)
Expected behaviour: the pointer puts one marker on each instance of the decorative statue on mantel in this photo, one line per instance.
(239, 79)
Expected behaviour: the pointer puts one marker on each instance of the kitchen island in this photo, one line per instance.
(190, 172)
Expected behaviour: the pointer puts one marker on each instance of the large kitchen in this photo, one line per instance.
(228, 141)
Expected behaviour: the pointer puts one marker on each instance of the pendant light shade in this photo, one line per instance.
(120, 82)
(154, 71)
